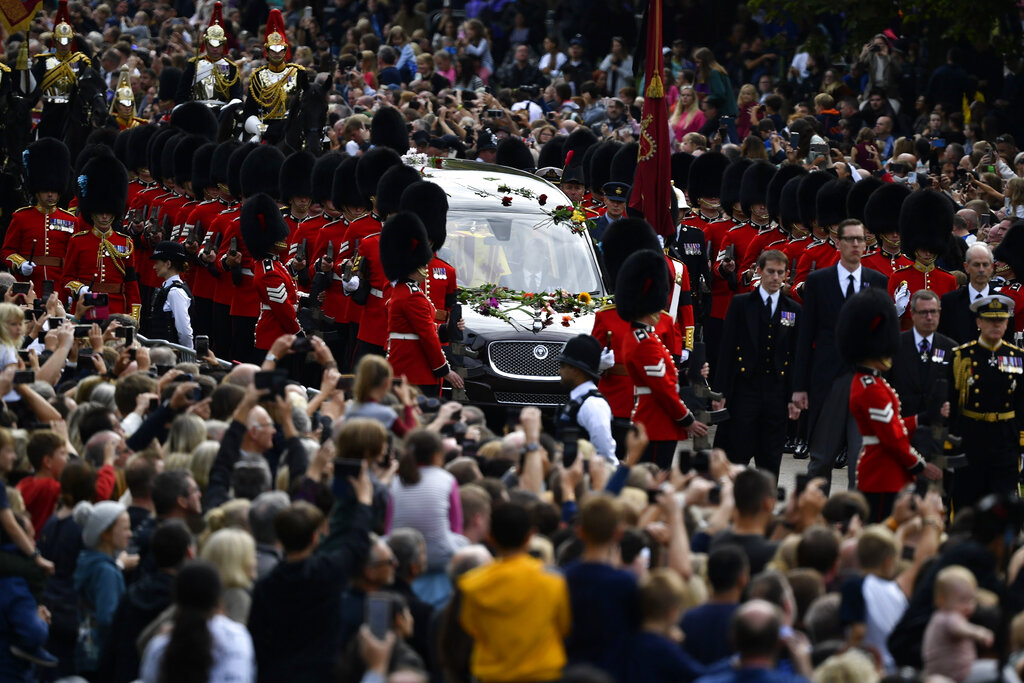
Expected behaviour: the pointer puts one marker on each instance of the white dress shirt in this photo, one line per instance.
(918, 338)
(177, 303)
(844, 278)
(973, 294)
(595, 416)
(765, 296)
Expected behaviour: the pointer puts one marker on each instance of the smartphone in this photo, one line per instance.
(570, 446)
(132, 354)
(84, 353)
(378, 614)
(186, 377)
(652, 496)
(20, 288)
(345, 382)
(701, 462)
(938, 142)
(82, 331)
(986, 220)
(801, 484)
(97, 299)
(129, 337)
(47, 289)
(307, 12)
(197, 394)
(715, 496)
(912, 177)
(23, 355)
(202, 345)
(347, 467)
(302, 345)
(273, 381)
(794, 139)
(154, 403)
(495, 113)
(818, 150)
(24, 377)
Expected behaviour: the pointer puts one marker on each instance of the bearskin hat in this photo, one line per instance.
(575, 146)
(514, 153)
(345, 189)
(262, 225)
(183, 155)
(624, 162)
(138, 150)
(154, 153)
(170, 76)
(391, 186)
(261, 171)
(732, 178)
(121, 144)
(705, 181)
(430, 203)
(88, 153)
(882, 209)
(552, 154)
(858, 196)
(195, 118)
(623, 238)
(202, 169)
(807, 196)
(102, 136)
(235, 168)
(601, 163)
(774, 195)
(754, 184)
(642, 285)
(102, 187)
(323, 176)
(388, 129)
(296, 177)
(1011, 250)
(789, 204)
(167, 157)
(868, 327)
(830, 202)
(926, 222)
(221, 158)
(371, 167)
(587, 156)
(404, 245)
(681, 162)
(46, 163)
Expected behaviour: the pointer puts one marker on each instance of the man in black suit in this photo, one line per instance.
(958, 321)
(817, 358)
(924, 354)
(755, 368)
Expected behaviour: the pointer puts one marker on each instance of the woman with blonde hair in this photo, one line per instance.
(373, 382)
(203, 456)
(714, 84)
(187, 432)
(746, 104)
(476, 45)
(233, 552)
(687, 116)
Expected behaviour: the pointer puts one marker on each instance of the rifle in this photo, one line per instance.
(301, 253)
(166, 228)
(192, 232)
(698, 396)
(212, 246)
(322, 280)
(32, 254)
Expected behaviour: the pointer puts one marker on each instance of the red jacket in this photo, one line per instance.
(380, 291)
(41, 494)
(41, 237)
(615, 383)
(654, 375)
(278, 297)
(442, 288)
(760, 243)
(107, 263)
(817, 255)
(739, 235)
(884, 263)
(203, 283)
(245, 302)
(358, 230)
(225, 289)
(414, 349)
(307, 229)
(919, 277)
(683, 314)
(887, 462)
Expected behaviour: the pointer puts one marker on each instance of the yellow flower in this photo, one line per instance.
(577, 216)
(584, 297)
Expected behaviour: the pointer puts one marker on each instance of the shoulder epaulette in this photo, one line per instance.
(24, 208)
(867, 380)
(1015, 348)
(84, 232)
(607, 307)
(640, 334)
(1016, 286)
(967, 345)
(193, 60)
(5, 68)
(902, 269)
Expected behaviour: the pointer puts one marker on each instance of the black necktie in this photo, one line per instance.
(924, 346)
(850, 291)
(768, 307)
(977, 297)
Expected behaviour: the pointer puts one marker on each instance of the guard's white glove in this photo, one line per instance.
(27, 267)
(902, 297)
(607, 359)
(84, 289)
(252, 125)
(684, 356)
(352, 285)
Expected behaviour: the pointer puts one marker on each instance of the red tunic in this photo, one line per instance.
(43, 238)
(885, 263)
(358, 230)
(245, 301)
(203, 283)
(817, 255)
(441, 288)
(107, 264)
(307, 229)
(414, 349)
(155, 200)
(1016, 292)
(655, 379)
(759, 243)
(919, 277)
(740, 236)
(794, 249)
(277, 300)
(683, 314)
(225, 289)
(380, 291)
(336, 304)
(887, 461)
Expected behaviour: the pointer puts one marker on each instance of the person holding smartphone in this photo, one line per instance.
(169, 318)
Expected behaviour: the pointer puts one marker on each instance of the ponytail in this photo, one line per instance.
(188, 656)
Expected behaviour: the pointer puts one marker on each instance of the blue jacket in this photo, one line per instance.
(99, 585)
(19, 625)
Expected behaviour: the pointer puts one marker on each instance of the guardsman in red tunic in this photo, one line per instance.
(882, 219)
(926, 224)
(296, 182)
(641, 294)
(789, 218)
(574, 172)
(197, 236)
(829, 211)
(100, 260)
(137, 159)
(430, 203)
(37, 236)
(759, 231)
(373, 338)
(414, 348)
(868, 338)
(820, 252)
(308, 232)
(266, 238)
(1009, 256)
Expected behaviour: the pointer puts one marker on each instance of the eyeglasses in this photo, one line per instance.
(264, 426)
(386, 561)
(927, 312)
(853, 239)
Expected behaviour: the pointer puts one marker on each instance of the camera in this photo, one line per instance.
(875, 48)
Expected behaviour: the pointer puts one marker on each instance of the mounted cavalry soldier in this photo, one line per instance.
(55, 75)
(270, 86)
(210, 75)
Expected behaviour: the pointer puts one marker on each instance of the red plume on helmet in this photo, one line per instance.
(275, 34)
(62, 13)
(217, 18)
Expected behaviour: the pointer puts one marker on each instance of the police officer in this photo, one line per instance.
(586, 410)
(616, 194)
(37, 236)
(169, 317)
(271, 85)
(989, 400)
(209, 75)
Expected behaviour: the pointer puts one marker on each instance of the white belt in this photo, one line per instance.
(264, 307)
(246, 271)
(869, 440)
(377, 293)
(640, 391)
(404, 335)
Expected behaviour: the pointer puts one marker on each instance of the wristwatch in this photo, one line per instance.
(531, 447)
(271, 357)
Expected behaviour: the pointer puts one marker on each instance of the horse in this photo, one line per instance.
(86, 111)
(307, 115)
(16, 113)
